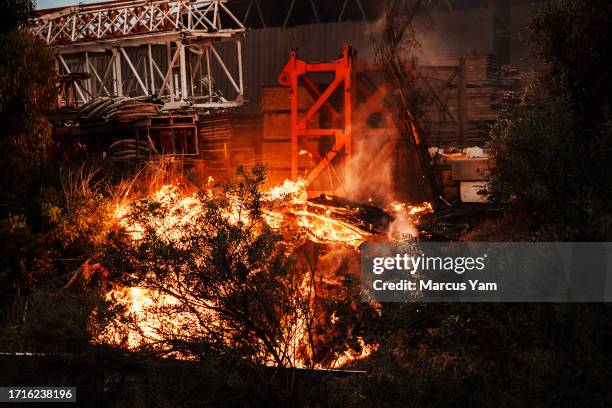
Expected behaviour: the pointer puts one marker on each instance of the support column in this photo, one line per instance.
(171, 70)
(117, 77)
(208, 74)
(294, 120)
(88, 81)
(57, 71)
(240, 81)
(151, 72)
(183, 71)
(349, 97)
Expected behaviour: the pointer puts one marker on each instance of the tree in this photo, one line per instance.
(15, 13)
(27, 92)
(220, 282)
(229, 276)
(552, 154)
(27, 202)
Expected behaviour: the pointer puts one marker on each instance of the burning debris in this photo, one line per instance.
(367, 217)
(313, 331)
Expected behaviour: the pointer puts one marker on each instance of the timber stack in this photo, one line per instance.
(490, 89)
(276, 130)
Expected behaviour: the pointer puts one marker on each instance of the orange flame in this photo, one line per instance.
(288, 205)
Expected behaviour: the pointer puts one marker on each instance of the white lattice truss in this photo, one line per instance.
(170, 49)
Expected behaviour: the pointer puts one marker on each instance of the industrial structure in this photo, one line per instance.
(183, 78)
(164, 48)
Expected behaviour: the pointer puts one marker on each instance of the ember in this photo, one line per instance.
(325, 220)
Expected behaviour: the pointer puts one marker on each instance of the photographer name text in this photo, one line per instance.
(422, 263)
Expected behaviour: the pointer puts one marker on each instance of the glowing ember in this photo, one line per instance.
(410, 209)
(406, 216)
(349, 355)
(286, 206)
(323, 229)
(293, 191)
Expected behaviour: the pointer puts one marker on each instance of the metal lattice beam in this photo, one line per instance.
(149, 48)
(136, 18)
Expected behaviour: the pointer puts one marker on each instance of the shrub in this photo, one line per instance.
(551, 156)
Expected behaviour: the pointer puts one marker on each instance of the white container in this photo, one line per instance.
(468, 191)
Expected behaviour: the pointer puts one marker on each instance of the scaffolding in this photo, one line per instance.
(352, 100)
(174, 50)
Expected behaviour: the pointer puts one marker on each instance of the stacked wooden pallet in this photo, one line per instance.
(490, 89)
(229, 140)
(214, 135)
(278, 98)
(276, 131)
(245, 149)
(481, 68)
(483, 104)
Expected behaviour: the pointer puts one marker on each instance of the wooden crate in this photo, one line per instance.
(279, 99)
(277, 154)
(480, 68)
(277, 125)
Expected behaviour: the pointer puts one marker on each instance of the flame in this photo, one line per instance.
(293, 191)
(350, 355)
(410, 209)
(139, 303)
(406, 217)
(287, 205)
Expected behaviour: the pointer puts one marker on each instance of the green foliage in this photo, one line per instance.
(27, 90)
(38, 313)
(484, 355)
(36, 227)
(533, 153)
(26, 205)
(551, 156)
(72, 225)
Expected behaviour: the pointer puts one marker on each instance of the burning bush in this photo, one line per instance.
(234, 272)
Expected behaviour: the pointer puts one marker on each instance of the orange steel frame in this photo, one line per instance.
(366, 88)
(294, 74)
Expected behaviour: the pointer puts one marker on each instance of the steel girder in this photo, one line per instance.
(169, 49)
(364, 88)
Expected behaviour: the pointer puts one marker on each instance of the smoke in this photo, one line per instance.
(431, 35)
(373, 178)
(402, 228)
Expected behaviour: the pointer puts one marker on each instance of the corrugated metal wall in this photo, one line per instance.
(266, 50)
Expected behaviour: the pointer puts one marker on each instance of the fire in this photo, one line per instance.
(410, 209)
(292, 192)
(140, 303)
(287, 205)
(348, 355)
(168, 196)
